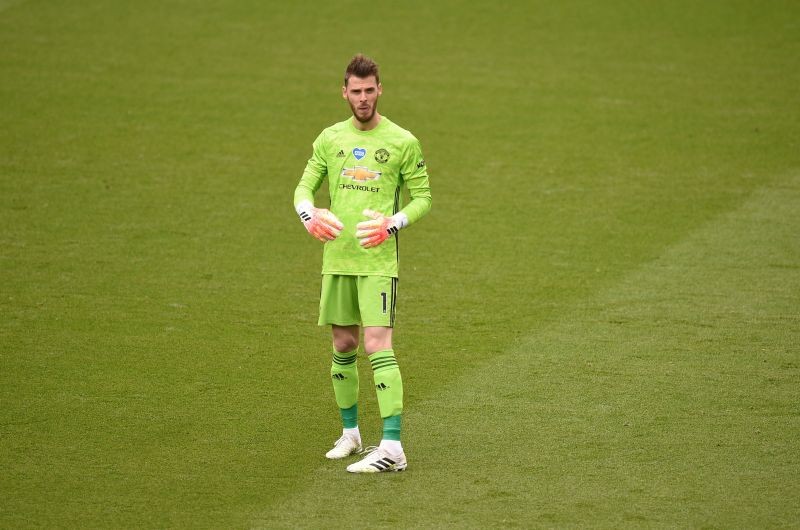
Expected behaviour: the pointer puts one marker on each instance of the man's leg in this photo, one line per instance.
(388, 383)
(339, 308)
(389, 387)
(344, 374)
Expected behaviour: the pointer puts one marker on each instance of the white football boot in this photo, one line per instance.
(379, 460)
(346, 445)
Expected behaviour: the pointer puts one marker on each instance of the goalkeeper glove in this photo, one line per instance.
(378, 228)
(319, 222)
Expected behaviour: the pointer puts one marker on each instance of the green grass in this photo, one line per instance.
(598, 322)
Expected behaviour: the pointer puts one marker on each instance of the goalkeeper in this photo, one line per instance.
(367, 159)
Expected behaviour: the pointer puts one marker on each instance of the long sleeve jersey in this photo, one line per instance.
(366, 170)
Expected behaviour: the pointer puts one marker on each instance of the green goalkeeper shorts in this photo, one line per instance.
(357, 300)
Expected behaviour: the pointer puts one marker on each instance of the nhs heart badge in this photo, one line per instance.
(359, 153)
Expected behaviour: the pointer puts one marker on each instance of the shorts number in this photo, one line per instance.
(383, 295)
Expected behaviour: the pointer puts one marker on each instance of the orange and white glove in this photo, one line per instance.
(378, 228)
(319, 222)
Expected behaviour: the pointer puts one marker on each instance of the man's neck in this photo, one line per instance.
(367, 126)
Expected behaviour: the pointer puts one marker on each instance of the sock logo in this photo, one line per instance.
(381, 386)
(338, 377)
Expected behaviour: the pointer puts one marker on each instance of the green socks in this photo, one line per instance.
(389, 387)
(344, 374)
(391, 428)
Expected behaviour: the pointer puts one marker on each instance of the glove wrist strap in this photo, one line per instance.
(400, 220)
(305, 210)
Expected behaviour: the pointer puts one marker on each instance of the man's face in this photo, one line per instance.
(362, 94)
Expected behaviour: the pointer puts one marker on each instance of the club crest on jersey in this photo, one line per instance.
(360, 173)
(359, 153)
(381, 156)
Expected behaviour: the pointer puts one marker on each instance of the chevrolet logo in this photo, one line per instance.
(360, 173)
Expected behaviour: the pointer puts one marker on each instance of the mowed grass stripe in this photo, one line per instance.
(668, 399)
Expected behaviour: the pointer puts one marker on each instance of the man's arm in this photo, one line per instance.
(315, 172)
(319, 222)
(415, 176)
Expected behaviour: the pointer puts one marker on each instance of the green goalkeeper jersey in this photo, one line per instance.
(365, 170)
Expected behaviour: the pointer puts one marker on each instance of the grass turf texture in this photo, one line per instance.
(598, 322)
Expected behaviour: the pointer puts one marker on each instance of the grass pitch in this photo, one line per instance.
(598, 322)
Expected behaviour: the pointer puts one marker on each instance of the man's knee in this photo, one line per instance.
(377, 339)
(345, 344)
(345, 340)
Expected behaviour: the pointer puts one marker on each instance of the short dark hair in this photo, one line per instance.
(361, 66)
